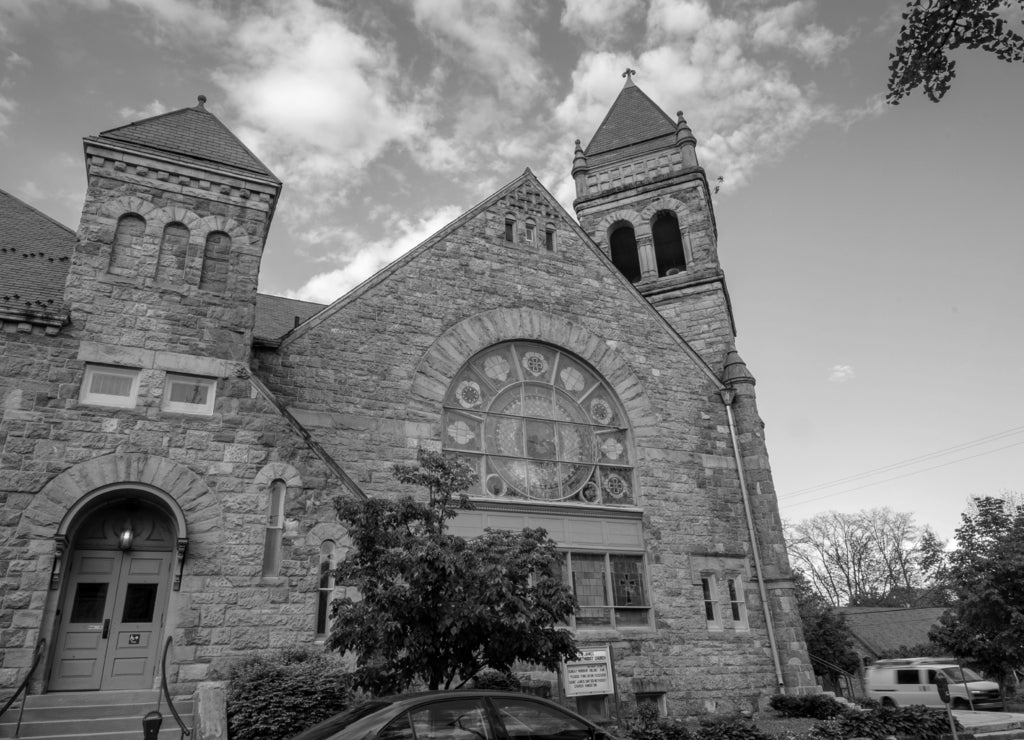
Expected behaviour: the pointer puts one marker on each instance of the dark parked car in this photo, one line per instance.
(456, 715)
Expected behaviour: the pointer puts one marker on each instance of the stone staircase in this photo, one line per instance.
(93, 715)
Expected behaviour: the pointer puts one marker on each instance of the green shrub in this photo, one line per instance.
(815, 706)
(491, 679)
(274, 697)
(728, 728)
(649, 726)
(880, 723)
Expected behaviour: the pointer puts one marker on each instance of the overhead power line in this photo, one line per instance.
(911, 461)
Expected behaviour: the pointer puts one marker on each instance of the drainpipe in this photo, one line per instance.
(728, 395)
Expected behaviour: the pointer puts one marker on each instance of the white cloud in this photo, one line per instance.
(488, 37)
(371, 257)
(841, 374)
(784, 27)
(314, 97)
(599, 22)
(154, 108)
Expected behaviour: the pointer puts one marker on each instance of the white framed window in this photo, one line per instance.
(737, 603)
(189, 394)
(106, 385)
(531, 232)
(709, 595)
(610, 588)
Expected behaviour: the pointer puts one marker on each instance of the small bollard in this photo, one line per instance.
(151, 725)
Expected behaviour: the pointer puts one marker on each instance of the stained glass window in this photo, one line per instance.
(538, 423)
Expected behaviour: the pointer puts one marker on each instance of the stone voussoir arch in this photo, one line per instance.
(175, 483)
(621, 215)
(658, 206)
(450, 351)
(126, 205)
(215, 222)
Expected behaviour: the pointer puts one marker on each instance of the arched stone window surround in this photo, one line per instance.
(625, 262)
(171, 261)
(453, 349)
(673, 249)
(270, 477)
(239, 240)
(178, 490)
(651, 211)
(642, 232)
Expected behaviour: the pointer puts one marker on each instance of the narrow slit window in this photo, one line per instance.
(549, 240)
(510, 230)
(708, 589)
(737, 604)
(275, 530)
(325, 587)
(530, 233)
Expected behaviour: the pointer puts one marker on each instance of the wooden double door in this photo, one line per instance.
(111, 620)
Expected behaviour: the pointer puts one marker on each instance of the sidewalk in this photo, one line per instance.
(983, 723)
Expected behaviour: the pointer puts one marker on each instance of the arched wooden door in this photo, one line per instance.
(111, 618)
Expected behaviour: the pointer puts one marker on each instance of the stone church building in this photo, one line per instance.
(171, 439)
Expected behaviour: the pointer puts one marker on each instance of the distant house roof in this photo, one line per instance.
(276, 316)
(881, 630)
(633, 119)
(192, 132)
(35, 252)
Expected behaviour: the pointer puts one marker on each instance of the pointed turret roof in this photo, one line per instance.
(632, 119)
(194, 133)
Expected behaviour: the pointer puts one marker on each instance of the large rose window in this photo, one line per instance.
(539, 424)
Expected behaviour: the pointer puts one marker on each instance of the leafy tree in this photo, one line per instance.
(985, 625)
(828, 637)
(876, 557)
(934, 28)
(436, 608)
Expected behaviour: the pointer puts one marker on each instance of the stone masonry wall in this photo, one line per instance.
(353, 377)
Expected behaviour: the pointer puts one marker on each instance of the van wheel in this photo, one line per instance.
(887, 702)
(961, 704)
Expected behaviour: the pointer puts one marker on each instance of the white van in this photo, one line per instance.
(898, 682)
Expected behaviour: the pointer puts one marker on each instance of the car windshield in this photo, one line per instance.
(341, 721)
(959, 675)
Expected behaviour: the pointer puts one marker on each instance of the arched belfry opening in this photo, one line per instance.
(123, 552)
(625, 255)
(668, 244)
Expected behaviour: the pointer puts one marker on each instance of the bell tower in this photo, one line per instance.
(642, 195)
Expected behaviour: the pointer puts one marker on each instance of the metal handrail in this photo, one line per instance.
(37, 654)
(185, 731)
(845, 675)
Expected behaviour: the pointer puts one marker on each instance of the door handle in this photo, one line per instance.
(106, 628)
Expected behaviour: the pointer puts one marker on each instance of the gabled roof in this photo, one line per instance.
(526, 178)
(276, 316)
(35, 252)
(194, 133)
(632, 119)
(883, 630)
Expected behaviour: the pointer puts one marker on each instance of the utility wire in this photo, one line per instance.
(909, 461)
(907, 475)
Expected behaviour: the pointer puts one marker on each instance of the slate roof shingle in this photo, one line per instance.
(275, 316)
(884, 630)
(632, 119)
(192, 132)
(35, 252)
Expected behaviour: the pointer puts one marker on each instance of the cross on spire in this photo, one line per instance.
(628, 74)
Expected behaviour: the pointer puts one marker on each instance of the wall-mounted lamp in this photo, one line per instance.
(124, 540)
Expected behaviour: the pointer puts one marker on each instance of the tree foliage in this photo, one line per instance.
(827, 635)
(985, 625)
(932, 29)
(876, 557)
(437, 608)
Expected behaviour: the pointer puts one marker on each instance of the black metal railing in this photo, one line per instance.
(185, 731)
(836, 670)
(37, 655)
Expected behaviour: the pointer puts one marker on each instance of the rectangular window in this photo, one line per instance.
(189, 394)
(104, 385)
(597, 576)
(530, 231)
(737, 604)
(510, 230)
(549, 240)
(709, 593)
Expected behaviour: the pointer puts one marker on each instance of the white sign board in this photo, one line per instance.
(591, 674)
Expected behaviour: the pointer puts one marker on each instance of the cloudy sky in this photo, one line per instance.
(874, 254)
